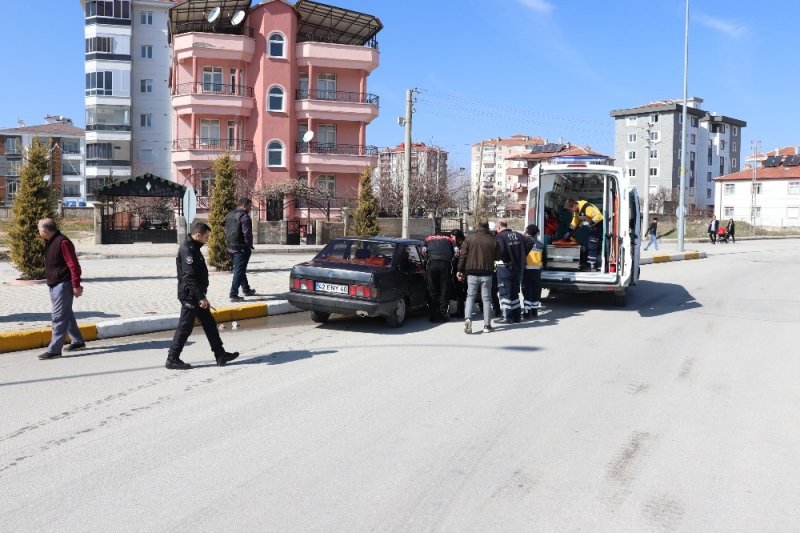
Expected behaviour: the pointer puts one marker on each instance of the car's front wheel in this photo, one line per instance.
(319, 316)
(398, 317)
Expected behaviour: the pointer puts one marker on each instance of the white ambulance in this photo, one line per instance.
(607, 188)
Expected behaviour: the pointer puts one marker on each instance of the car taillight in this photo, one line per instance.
(302, 284)
(362, 291)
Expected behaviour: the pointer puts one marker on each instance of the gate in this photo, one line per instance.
(293, 231)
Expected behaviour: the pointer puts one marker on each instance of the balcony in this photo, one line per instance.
(213, 99)
(337, 105)
(517, 171)
(216, 46)
(331, 55)
(189, 152)
(331, 157)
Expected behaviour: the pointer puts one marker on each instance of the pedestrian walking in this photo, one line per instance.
(713, 228)
(239, 243)
(476, 264)
(63, 274)
(439, 251)
(510, 265)
(532, 274)
(192, 288)
(652, 230)
(731, 229)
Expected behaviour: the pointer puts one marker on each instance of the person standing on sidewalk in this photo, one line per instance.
(439, 252)
(476, 264)
(713, 228)
(192, 288)
(239, 242)
(509, 272)
(63, 274)
(652, 229)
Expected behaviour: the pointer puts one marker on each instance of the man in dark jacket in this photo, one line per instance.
(509, 271)
(63, 273)
(475, 264)
(439, 252)
(239, 242)
(192, 287)
(713, 227)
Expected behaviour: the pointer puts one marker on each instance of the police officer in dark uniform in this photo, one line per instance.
(509, 272)
(192, 287)
(439, 251)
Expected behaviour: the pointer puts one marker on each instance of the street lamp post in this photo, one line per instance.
(682, 193)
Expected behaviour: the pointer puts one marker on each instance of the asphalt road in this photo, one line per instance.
(677, 413)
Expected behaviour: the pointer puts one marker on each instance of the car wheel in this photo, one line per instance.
(397, 318)
(319, 316)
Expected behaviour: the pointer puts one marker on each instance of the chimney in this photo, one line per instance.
(20, 123)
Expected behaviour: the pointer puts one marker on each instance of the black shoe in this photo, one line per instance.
(177, 364)
(226, 357)
(236, 298)
(249, 292)
(75, 346)
(48, 355)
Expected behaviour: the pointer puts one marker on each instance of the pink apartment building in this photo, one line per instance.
(253, 81)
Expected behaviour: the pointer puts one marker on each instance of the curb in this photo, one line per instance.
(666, 258)
(29, 339)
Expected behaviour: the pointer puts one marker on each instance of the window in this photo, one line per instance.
(275, 46)
(146, 155)
(734, 163)
(632, 172)
(303, 87)
(730, 189)
(326, 136)
(146, 17)
(102, 45)
(233, 139)
(630, 155)
(11, 190)
(99, 151)
(275, 154)
(70, 168)
(655, 135)
(13, 145)
(631, 121)
(212, 79)
(146, 86)
(147, 51)
(654, 172)
(654, 154)
(710, 154)
(631, 137)
(794, 187)
(721, 166)
(708, 193)
(209, 131)
(146, 120)
(694, 122)
(757, 188)
(734, 130)
(71, 188)
(691, 191)
(727, 212)
(276, 99)
(70, 146)
(722, 144)
(14, 167)
(792, 212)
(99, 83)
(118, 9)
(708, 176)
(326, 87)
(653, 118)
(693, 138)
(206, 183)
(327, 184)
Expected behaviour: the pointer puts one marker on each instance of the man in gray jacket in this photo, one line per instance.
(476, 263)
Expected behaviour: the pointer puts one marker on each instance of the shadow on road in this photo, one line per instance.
(45, 317)
(279, 358)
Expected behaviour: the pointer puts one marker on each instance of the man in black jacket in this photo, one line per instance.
(439, 252)
(192, 287)
(509, 271)
(239, 242)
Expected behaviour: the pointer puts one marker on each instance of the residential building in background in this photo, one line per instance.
(66, 146)
(767, 195)
(647, 140)
(281, 88)
(127, 96)
(428, 168)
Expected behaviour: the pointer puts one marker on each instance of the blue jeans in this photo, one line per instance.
(653, 242)
(485, 284)
(240, 260)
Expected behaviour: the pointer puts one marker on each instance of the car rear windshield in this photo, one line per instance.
(358, 252)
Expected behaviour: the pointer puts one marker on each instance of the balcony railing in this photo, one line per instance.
(216, 144)
(108, 162)
(214, 88)
(209, 27)
(108, 127)
(338, 96)
(330, 37)
(339, 149)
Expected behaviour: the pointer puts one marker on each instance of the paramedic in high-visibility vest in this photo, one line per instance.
(532, 274)
(586, 214)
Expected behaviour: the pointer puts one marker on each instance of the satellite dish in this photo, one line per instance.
(237, 18)
(307, 136)
(213, 14)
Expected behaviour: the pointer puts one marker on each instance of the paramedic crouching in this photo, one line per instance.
(586, 214)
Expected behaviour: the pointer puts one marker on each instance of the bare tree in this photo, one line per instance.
(657, 200)
(430, 192)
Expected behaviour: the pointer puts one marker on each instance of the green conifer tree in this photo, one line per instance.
(366, 216)
(223, 201)
(34, 201)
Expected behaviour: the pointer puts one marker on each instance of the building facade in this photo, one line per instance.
(428, 171)
(280, 87)
(67, 149)
(127, 97)
(767, 195)
(647, 143)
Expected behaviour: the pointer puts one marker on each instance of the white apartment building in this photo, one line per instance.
(127, 98)
(647, 143)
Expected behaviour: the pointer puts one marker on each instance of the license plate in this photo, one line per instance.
(331, 287)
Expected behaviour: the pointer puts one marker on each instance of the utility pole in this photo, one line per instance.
(407, 162)
(682, 193)
(756, 145)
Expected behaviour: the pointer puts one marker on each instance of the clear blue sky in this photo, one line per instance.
(552, 68)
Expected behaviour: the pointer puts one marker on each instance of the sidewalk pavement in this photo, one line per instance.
(131, 289)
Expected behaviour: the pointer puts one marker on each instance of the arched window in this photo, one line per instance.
(275, 99)
(275, 47)
(275, 154)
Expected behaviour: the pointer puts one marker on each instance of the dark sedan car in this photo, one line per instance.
(365, 276)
